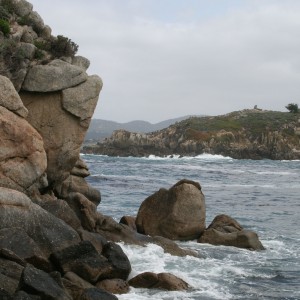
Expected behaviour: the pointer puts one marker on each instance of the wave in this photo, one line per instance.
(204, 156)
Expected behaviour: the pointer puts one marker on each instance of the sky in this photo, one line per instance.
(162, 59)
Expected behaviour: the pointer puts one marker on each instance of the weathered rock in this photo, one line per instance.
(96, 239)
(17, 240)
(81, 62)
(75, 285)
(10, 99)
(22, 152)
(81, 100)
(83, 260)
(172, 248)
(96, 294)
(61, 133)
(84, 209)
(114, 286)
(22, 7)
(29, 35)
(61, 209)
(129, 221)
(56, 76)
(75, 184)
(10, 274)
(177, 213)
(165, 281)
(49, 233)
(80, 169)
(228, 232)
(119, 261)
(42, 284)
(10, 255)
(21, 295)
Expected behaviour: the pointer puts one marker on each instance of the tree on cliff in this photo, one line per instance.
(292, 108)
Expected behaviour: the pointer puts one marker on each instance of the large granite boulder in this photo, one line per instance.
(62, 132)
(10, 99)
(177, 213)
(55, 76)
(23, 159)
(48, 232)
(226, 231)
(81, 100)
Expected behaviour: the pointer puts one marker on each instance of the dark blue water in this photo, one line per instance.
(263, 196)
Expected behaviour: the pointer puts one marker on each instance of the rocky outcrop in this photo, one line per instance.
(228, 232)
(55, 76)
(177, 213)
(22, 152)
(247, 134)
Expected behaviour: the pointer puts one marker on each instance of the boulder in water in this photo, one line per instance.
(177, 213)
(226, 231)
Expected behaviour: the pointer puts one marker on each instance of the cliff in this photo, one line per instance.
(54, 244)
(246, 134)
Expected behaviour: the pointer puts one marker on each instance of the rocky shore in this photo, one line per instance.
(246, 134)
(54, 244)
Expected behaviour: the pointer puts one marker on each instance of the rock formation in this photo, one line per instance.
(177, 213)
(247, 134)
(228, 232)
(53, 242)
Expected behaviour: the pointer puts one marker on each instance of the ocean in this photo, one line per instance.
(263, 196)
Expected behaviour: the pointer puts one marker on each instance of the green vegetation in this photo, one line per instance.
(256, 123)
(292, 108)
(4, 27)
(4, 14)
(63, 46)
(8, 6)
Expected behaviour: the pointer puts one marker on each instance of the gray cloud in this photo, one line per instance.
(163, 59)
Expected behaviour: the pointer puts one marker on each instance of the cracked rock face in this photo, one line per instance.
(22, 152)
(55, 76)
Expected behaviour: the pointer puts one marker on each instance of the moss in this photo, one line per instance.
(4, 27)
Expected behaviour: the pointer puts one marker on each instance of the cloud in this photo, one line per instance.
(163, 59)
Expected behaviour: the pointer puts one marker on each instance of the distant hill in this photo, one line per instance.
(100, 129)
(250, 134)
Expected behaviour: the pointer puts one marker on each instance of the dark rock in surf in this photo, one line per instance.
(129, 221)
(165, 281)
(228, 232)
(114, 286)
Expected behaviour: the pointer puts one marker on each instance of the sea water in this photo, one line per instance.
(263, 196)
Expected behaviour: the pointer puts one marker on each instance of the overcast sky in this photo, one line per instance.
(161, 59)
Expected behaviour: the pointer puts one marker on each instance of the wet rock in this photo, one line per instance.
(119, 261)
(96, 294)
(177, 213)
(165, 281)
(40, 283)
(83, 260)
(114, 286)
(129, 221)
(17, 241)
(228, 232)
(10, 274)
(96, 239)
